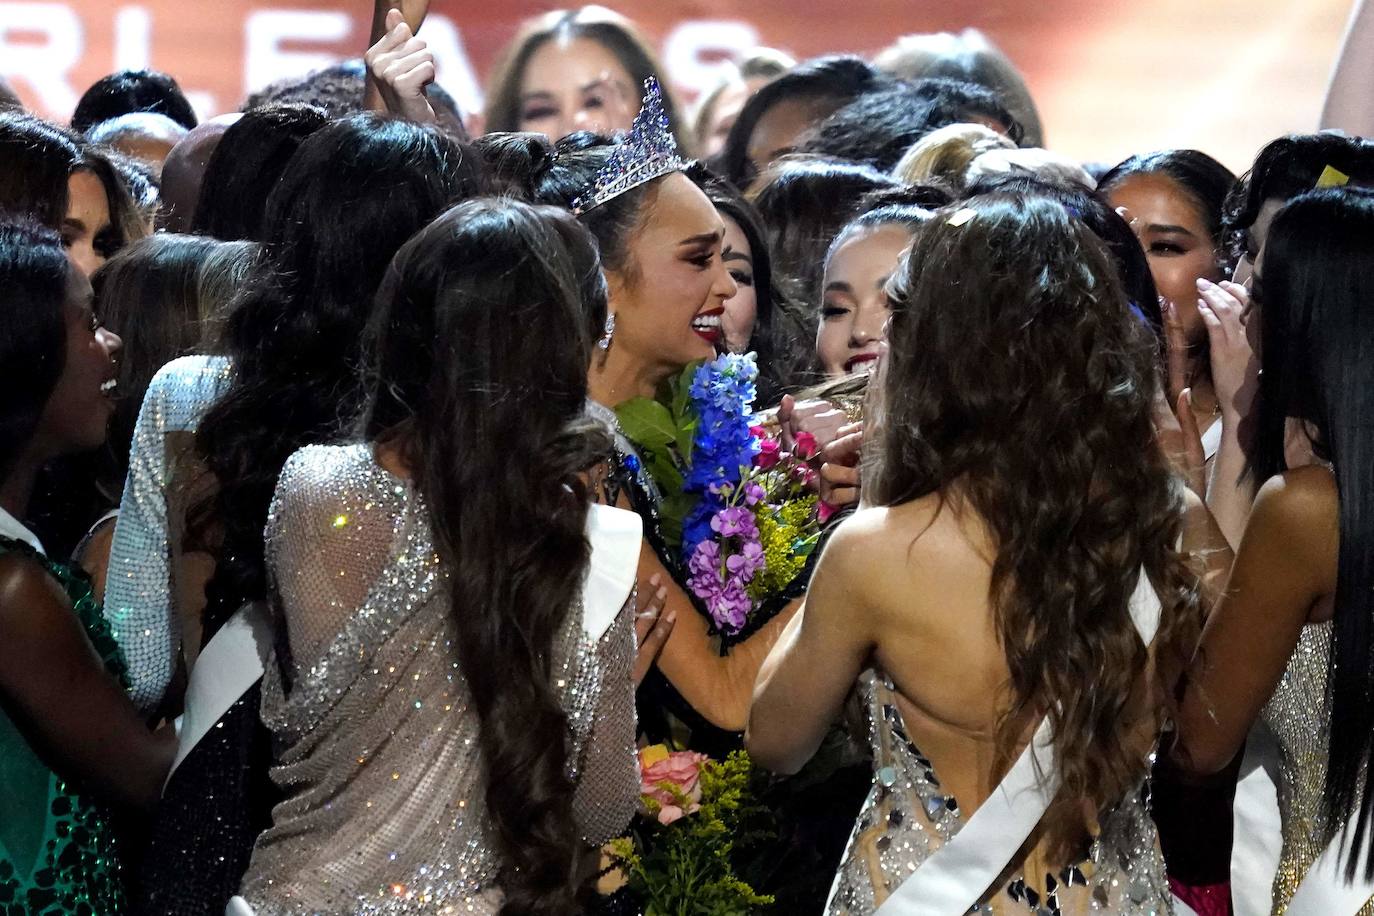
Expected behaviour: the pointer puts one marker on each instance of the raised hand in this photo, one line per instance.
(652, 629)
(839, 476)
(401, 66)
(819, 418)
(1179, 437)
(1235, 371)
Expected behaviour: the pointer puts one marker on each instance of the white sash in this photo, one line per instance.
(231, 663)
(1324, 891)
(1258, 827)
(615, 536)
(957, 874)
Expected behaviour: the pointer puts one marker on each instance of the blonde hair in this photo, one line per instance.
(1040, 163)
(948, 152)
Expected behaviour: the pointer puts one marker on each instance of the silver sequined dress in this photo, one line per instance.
(907, 816)
(1299, 717)
(377, 749)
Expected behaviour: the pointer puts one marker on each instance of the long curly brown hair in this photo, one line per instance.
(1020, 385)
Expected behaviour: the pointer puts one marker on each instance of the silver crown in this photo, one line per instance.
(647, 152)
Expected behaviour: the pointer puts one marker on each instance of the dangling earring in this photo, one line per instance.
(607, 333)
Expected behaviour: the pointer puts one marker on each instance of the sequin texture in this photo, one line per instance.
(58, 852)
(378, 750)
(138, 591)
(908, 816)
(1299, 717)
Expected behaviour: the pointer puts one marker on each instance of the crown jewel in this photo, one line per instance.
(647, 152)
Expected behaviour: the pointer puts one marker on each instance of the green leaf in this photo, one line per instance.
(682, 388)
(685, 434)
(647, 423)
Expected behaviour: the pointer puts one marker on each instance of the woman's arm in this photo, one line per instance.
(803, 683)
(56, 689)
(717, 687)
(1235, 376)
(1286, 562)
(1349, 104)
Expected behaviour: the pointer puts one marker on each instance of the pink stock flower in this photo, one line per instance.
(805, 446)
(671, 783)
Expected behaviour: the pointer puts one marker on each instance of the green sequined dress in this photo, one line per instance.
(57, 848)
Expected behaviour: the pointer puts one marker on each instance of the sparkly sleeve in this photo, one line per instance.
(607, 791)
(138, 589)
(328, 537)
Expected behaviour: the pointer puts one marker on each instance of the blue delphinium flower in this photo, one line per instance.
(722, 394)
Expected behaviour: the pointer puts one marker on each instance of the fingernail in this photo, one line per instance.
(672, 616)
(662, 594)
(1204, 283)
(655, 579)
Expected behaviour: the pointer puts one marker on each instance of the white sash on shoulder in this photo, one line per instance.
(614, 535)
(231, 662)
(1257, 826)
(957, 874)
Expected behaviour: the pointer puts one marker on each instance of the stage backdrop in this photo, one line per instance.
(1112, 77)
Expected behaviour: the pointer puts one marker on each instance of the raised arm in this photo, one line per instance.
(803, 684)
(399, 63)
(67, 706)
(138, 589)
(1349, 103)
(1285, 564)
(1235, 375)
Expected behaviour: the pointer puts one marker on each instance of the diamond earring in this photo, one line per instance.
(607, 333)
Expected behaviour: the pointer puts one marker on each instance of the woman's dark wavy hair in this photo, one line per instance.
(521, 287)
(780, 335)
(1205, 181)
(607, 28)
(352, 195)
(246, 166)
(1315, 299)
(1285, 168)
(33, 328)
(835, 80)
(879, 126)
(36, 159)
(1019, 384)
(804, 202)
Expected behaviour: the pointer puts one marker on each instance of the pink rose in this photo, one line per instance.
(770, 453)
(806, 446)
(670, 783)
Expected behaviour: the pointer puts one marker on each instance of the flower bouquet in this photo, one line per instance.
(696, 810)
(739, 511)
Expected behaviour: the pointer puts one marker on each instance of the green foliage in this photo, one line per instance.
(662, 429)
(687, 868)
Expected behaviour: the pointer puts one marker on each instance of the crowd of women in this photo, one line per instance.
(334, 580)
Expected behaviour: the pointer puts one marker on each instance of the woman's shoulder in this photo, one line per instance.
(184, 389)
(325, 478)
(25, 585)
(1298, 498)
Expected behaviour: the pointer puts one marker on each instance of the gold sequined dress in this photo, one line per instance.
(377, 748)
(1298, 716)
(908, 816)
